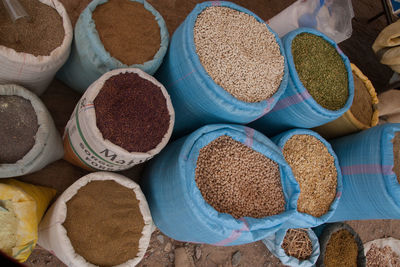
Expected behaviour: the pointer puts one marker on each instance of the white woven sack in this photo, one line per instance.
(36, 72)
(53, 235)
(48, 145)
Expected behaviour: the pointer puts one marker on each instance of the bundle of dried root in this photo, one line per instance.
(297, 244)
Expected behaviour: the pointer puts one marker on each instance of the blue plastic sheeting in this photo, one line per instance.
(274, 244)
(370, 187)
(89, 59)
(296, 108)
(177, 206)
(304, 220)
(196, 98)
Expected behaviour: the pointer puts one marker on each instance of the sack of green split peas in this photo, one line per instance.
(22, 206)
(224, 65)
(113, 34)
(31, 52)
(320, 87)
(123, 119)
(101, 220)
(29, 139)
(294, 247)
(363, 113)
(222, 185)
(340, 245)
(316, 169)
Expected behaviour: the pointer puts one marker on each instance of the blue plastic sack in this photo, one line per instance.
(89, 59)
(177, 206)
(196, 98)
(304, 220)
(274, 244)
(370, 187)
(296, 108)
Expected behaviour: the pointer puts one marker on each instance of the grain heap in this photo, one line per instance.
(378, 257)
(341, 250)
(238, 180)
(315, 171)
(19, 125)
(239, 53)
(128, 31)
(362, 107)
(104, 228)
(297, 244)
(321, 70)
(40, 36)
(132, 112)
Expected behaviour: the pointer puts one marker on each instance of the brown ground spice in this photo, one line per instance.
(315, 171)
(104, 223)
(238, 180)
(18, 124)
(362, 104)
(128, 31)
(297, 244)
(321, 70)
(396, 155)
(132, 112)
(341, 250)
(40, 36)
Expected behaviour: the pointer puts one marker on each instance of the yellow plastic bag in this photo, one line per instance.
(387, 46)
(348, 123)
(24, 204)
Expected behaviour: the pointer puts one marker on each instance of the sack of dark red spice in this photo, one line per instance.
(370, 163)
(29, 139)
(205, 181)
(32, 52)
(124, 118)
(316, 169)
(294, 247)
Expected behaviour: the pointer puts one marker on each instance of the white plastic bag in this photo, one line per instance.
(84, 143)
(36, 72)
(48, 145)
(53, 236)
(332, 17)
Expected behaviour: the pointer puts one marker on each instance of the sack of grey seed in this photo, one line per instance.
(224, 65)
(294, 247)
(316, 169)
(29, 139)
(320, 87)
(202, 188)
(370, 163)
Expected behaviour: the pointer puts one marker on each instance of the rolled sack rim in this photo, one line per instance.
(91, 95)
(212, 88)
(204, 211)
(107, 61)
(60, 214)
(57, 55)
(43, 131)
(281, 141)
(298, 85)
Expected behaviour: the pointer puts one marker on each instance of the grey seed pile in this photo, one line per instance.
(297, 243)
(237, 180)
(239, 53)
(314, 169)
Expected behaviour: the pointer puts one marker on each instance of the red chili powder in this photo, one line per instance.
(132, 112)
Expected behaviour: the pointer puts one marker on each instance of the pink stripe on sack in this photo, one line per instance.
(182, 78)
(234, 235)
(367, 169)
(291, 100)
(216, 3)
(270, 101)
(249, 136)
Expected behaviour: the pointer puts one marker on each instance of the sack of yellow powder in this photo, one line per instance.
(22, 206)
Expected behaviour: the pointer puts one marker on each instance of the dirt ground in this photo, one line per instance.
(61, 101)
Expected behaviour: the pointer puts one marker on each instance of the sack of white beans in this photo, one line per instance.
(202, 188)
(224, 64)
